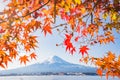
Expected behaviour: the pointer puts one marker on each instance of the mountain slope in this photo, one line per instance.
(53, 64)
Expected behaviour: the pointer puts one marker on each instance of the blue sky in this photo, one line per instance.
(47, 47)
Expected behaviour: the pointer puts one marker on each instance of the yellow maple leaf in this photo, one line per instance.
(105, 15)
(77, 1)
(66, 8)
(114, 16)
(83, 10)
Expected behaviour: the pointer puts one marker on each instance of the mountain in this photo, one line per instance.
(53, 64)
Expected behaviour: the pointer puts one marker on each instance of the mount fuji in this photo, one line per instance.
(53, 64)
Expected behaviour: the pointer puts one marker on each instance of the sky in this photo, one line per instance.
(47, 47)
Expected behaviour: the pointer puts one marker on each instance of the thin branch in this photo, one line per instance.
(86, 15)
(96, 4)
(24, 15)
(59, 25)
(37, 9)
(91, 17)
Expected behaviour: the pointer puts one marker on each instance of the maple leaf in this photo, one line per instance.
(111, 38)
(1, 65)
(107, 73)
(84, 32)
(83, 10)
(86, 59)
(33, 39)
(36, 15)
(27, 47)
(26, 35)
(69, 46)
(99, 72)
(76, 39)
(33, 56)
(2, 52)
(65, 17)
(77, 1)
(99, 62)
(2, 31)
(105, 15)
(73, 50)
(111, 56)
(83, 50)
(114, 16)
(78, 29)
(67, 42)
(23, 59)
(6, 59)
(68, 36)
(13, 53)
(47, 28)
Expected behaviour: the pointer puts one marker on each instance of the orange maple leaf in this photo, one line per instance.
(13, 54)
(6, 59)
(99, 72)
(111, 38)
(1, 65)
(23, 59)
(83, 50)
(47, 28)
(33, 56)
(27, 47)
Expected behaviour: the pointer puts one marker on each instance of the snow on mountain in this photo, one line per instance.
(52, 64)
(54, 59)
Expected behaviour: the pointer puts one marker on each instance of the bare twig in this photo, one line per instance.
(59, 25)
(91, 17)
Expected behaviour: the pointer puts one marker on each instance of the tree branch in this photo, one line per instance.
(59, 25)
(37, 9)
(1, 13)
(55, 10)
(91, 18)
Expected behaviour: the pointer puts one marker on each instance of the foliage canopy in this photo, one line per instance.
(84, 22)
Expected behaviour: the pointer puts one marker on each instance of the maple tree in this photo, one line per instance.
(84, 20)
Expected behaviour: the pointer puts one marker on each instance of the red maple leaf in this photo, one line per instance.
(83, 50)
(67, 39)
(73, 50)
(2, 31)
(68, 44)
(77, 38)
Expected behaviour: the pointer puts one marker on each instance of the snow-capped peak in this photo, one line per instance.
(52, 64)
(54, 59)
